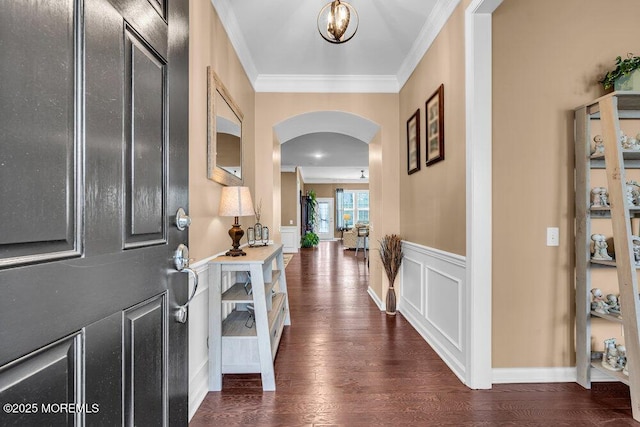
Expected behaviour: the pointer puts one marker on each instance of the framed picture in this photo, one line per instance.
(435, 126)
(413, 143)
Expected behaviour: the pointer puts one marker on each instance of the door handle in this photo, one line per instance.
(181, 261)
(181, 313)
(182, 219)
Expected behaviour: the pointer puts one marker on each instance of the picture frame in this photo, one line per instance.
(413, 143)
(434, 115)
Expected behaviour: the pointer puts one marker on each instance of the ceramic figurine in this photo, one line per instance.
(604, 197)
(599, 197)
(613, 305)
(597, 302)
(625, 141)
(622, 356)
(598, 145)
(635, 240)
(611, 357)
(600, 248)
(633, 193)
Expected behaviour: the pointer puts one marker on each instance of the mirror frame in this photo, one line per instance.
(216, 88)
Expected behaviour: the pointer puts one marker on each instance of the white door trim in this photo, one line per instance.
(330, 234)
(478, 59)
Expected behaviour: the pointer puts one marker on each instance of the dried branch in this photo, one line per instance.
(391, 256)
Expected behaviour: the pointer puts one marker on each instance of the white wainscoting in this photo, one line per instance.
(199, 334)
(290, 239)
(198, 339)
(432, 298)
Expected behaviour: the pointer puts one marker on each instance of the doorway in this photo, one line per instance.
(326, 223)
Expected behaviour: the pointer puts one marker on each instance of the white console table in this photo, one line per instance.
(237, 343)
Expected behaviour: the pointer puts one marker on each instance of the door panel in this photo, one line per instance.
(145, 113)
(145, 361)
(52, 375)
(92, 177)
(38, 218)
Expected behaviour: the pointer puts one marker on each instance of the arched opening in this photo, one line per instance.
(324, 151)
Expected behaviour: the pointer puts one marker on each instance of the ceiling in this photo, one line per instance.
(278, 44)
(327, 157)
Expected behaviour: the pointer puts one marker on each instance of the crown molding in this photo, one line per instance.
(231, 26)
(335, 181)
(437, 19)
(292, 83)
(296, 83)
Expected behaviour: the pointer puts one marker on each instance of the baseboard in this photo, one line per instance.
(198, 389)
(544, 375)
(381, 305)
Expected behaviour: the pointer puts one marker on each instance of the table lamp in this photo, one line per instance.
(235, 202)
(347, 218)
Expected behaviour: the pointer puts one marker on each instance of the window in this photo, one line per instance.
(355, 208)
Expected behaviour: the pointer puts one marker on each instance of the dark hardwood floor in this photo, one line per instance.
(343, 362)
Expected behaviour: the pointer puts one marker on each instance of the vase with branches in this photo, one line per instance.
(391, 257)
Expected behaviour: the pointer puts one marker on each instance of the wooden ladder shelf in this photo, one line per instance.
(607, 112)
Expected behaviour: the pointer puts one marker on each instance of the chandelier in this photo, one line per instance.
(338, 22)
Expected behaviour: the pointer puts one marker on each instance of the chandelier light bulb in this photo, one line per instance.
(337, 22)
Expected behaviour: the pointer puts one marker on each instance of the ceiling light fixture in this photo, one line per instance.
(338, 22)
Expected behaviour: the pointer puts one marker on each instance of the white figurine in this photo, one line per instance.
(635, 240)
(598, 146)
(610, 357)
(604, 197)
(597, 302)
(599, 197)
(625, 141)
(622, 357)
(600, 248)
(632, 193)
(613, 305)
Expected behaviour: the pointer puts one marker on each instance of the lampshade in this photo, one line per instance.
(235, 201)
(347, 217)
(338, 22)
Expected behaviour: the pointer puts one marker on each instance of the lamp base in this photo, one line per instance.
(235, 252)
(236, 233)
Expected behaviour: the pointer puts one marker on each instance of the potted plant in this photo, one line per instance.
(625, 76)
(309, 240)
(391, 256)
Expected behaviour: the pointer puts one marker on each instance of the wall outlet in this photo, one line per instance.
(290, 222)
(553, 236)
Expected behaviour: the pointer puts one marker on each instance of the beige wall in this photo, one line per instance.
(433, 198)
(289, 197)
(272, 108)
(547, 56)
(209, 45)
(329, 190)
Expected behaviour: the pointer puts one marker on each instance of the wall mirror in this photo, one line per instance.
(224, 139)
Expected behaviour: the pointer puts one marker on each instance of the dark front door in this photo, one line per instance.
(93, 167)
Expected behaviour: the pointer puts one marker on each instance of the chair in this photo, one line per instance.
(362, 235)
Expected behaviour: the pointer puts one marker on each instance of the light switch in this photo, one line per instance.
(553, 236)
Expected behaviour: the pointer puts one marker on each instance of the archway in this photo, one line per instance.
(313, 132)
